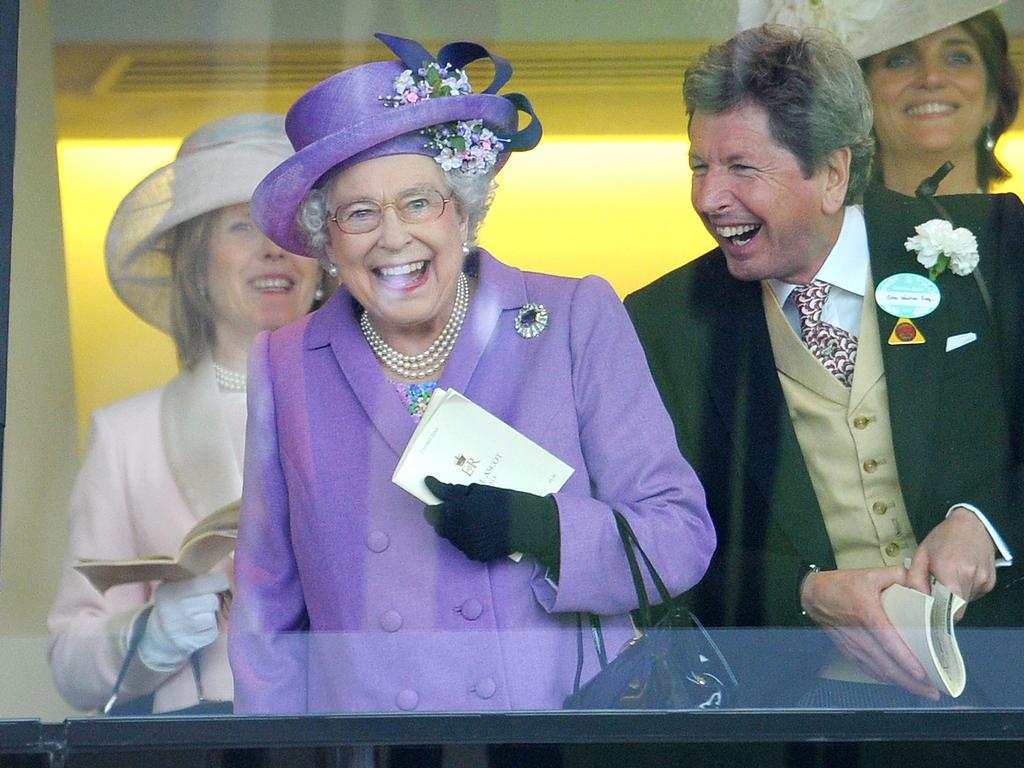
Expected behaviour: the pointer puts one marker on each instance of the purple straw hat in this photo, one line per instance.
(355, 116)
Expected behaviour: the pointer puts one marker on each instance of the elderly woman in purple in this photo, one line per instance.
(350, 596)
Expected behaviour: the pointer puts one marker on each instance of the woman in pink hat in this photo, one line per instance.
(183, 253)
(942, 83)
(350, 596)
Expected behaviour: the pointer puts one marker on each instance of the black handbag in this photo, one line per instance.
(673, 664)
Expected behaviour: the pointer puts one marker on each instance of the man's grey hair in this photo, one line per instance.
(808, 84)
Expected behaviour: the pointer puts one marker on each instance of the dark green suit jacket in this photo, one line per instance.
(956, 416)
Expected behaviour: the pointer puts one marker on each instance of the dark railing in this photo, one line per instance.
(123, 740)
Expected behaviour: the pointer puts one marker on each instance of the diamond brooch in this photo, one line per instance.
(531, 320)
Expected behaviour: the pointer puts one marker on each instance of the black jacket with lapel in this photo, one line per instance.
(956, 416)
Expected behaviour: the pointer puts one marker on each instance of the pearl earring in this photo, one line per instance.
(465, 249)
(330, 268)
(990, 139)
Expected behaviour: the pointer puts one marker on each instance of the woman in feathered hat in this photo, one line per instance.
(184, 255)
(410, 609)
(942, 83)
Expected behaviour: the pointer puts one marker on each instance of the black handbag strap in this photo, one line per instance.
(602, 656)
(632, 545)
(579, 654)
(629, 541)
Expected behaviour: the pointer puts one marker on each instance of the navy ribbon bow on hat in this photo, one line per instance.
(458, 55)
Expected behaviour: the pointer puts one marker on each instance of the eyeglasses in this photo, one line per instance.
(416, 207)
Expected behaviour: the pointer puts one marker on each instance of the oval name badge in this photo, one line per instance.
(907, 295)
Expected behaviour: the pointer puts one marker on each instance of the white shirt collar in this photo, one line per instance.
(847, 263)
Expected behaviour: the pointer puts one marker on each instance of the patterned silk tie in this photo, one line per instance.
(833, 347)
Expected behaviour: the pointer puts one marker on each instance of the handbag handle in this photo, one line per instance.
(629, 542)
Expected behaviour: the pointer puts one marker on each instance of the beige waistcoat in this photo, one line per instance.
(846, 441)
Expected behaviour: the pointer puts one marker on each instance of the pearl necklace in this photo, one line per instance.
(434, 357)
(228, 380)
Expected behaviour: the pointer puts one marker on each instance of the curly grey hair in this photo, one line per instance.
(808, 84)
(471, 193)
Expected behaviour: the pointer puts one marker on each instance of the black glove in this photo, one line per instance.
(487, 523)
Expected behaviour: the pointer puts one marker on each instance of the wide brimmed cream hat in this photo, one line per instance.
(218, 165)
(865, 27)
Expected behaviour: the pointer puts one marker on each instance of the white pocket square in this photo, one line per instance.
(960, 340)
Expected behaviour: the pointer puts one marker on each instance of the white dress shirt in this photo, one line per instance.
(846, 270)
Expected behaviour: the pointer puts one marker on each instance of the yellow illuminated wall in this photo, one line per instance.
(1011, 154)
(617, 207)
(113, 352)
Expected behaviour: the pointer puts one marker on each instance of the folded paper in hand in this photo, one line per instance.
(207, 543)
(459, 442)
(925, 622)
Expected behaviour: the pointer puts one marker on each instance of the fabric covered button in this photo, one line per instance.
(870, 465)
(377, 541)
(879, 507)
(892, 549)
(407, 700)
(471, 609)
(391, 621)
(485, 688)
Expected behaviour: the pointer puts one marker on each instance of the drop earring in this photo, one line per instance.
(330, 268)
(990, 139)
(465, 249)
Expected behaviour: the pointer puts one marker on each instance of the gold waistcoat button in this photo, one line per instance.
(870, 465)
(861, 422)
(892, 549)
(879, 507)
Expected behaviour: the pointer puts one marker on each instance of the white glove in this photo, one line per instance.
(183, 620)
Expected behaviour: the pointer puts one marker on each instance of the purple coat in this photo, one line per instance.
(400, 619)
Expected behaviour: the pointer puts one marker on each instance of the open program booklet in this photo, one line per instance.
(925, 622)
(459, 442)
(207, 543)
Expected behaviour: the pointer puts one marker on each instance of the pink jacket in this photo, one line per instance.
(155, 464)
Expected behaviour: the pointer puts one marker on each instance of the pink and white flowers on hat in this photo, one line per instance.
(462, 145)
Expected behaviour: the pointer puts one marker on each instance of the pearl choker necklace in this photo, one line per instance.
(434, 357)
(228, 380)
